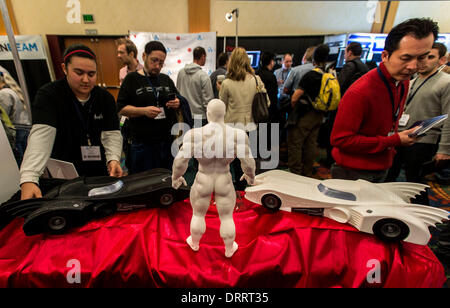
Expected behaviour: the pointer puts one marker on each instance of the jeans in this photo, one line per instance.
(21, 144)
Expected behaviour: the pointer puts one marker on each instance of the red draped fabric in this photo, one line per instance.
(147, 248)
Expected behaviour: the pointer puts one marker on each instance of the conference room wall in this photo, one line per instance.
(257, 18)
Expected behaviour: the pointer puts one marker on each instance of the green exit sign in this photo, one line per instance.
(88, 18)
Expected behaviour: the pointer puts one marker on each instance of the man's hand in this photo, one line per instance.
(114, 169)
(29, 191)
(176, 183)
(405, 139)
(174, 104)
(151, 111)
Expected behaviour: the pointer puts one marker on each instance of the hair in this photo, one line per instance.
(309, 53)
(266, 58)
(129, 46)
(441, 48)
(154, 46)
(222, 59)
(199, 52)
(321, 54)
(288, 54)
(355, 48)
(239, 65)
(78, 50)
(419, 28)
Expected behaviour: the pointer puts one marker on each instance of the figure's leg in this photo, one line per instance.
(200, 201)
(225, 207)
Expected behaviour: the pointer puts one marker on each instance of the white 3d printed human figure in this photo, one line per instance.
(215, 146)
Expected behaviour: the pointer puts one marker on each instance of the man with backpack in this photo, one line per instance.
(317, 93)
(353, 68)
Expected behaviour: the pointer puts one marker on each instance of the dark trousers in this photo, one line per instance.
(344, 173)
(302, 143)
(412, 158)
(147, 156)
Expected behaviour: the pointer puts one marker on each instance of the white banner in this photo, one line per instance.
(179, 49)
(30, 47)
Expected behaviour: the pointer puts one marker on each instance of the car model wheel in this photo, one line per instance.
(57, 223)
(391, 230)
(271, 202)
(166, 199)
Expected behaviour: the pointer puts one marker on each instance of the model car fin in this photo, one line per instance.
(404, 190)
(430, 215)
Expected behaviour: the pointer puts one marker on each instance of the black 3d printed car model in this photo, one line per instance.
(82, 199)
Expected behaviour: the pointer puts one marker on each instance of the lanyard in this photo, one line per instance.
(391, 95)
(155, 90)
(411, 96)
(84, 123)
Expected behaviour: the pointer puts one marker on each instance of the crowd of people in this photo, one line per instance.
(368, 136)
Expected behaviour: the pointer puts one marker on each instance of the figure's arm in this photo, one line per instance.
(37, 154)
(181, 161)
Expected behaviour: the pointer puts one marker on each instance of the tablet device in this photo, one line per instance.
(425, 125)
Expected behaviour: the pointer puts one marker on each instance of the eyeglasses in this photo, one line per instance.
(157, 61)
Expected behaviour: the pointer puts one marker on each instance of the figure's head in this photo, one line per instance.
(406, 45)
(287, 61)
(154, 56)
(80, 68)
(126, 50)
(433, 60)
(199, 56)
(215, 111)
(353, 51)
(239, 65)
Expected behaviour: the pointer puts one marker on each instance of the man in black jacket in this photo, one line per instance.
(267, 76)
(353, 68)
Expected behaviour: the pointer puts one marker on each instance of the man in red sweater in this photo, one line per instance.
(364, 135)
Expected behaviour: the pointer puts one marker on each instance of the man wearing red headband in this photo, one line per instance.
(74, 121)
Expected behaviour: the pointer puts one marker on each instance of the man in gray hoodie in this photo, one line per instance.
(195, 85)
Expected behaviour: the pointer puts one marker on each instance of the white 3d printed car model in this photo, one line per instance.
(381, 209)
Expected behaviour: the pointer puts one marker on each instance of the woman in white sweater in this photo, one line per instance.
(237, 92)
(239, 88)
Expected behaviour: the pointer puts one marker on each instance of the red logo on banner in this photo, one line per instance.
(189, 50)
(179, 61)
(178, 38)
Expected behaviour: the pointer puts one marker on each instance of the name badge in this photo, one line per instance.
(91, 153)
(403, 120)
(161, 115)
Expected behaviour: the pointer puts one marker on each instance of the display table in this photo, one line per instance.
(147, 248)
